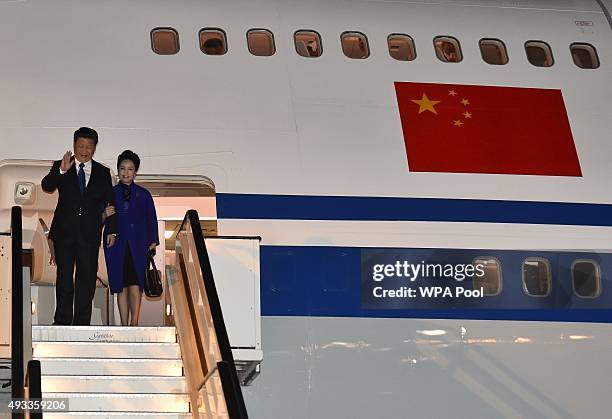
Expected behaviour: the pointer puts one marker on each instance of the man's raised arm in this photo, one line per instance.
(51, 181)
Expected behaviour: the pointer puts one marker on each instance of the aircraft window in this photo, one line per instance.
(355, 45)
(491, 278)
(308, 43)
(401, 47)
(164, 41)
(586, 278)
(493, 51)
(213, 41)
(539, 53)
(584, 55)
(448, 49)
(537, 277)
(261, 42)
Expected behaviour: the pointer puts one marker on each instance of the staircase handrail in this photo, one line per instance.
(33, 383)
(20, 356)
(223, 361)
(17, 355)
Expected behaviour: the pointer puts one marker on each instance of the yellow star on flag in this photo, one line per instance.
(458, 123)
(452, 93)
(465, 102)
(426, 104)
(467, 115)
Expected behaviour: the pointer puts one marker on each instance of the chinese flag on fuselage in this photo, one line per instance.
(486, 129)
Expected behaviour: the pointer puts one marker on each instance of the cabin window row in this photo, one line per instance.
(537, 277)
(308, 43)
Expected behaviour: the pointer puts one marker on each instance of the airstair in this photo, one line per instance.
(123, 371)
(185, 370)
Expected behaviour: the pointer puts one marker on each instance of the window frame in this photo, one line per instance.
(552, 56)
(481, 40)
(501, 276)
(458, 47)
(357, 33)
(414, 50)
(320, 38)
(599, 282)
(165, 28)
(213, 29)
(585, 44)
(550, 281)
(269, 32)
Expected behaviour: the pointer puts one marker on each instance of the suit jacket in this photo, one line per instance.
(79, 216)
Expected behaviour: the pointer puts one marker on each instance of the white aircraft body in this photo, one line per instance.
(309, 153)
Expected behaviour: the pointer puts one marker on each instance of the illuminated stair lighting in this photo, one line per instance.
(112, 371)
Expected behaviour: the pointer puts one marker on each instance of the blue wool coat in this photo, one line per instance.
(136, 228)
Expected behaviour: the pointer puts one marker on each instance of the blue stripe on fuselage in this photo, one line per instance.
(327, 281)
(352, 208)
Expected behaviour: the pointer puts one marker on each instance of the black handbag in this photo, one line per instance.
(152, 284)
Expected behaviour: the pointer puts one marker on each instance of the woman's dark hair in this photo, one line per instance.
(129, 155)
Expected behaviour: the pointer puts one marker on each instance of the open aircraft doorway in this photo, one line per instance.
(20, 185)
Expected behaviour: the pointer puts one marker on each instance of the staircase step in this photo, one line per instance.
(5, 388)
(112, 384)
(120, 415)
(104, 366)
(103, 334)
(5, 373)
(84, 402)
(130, 350)
(5, 379)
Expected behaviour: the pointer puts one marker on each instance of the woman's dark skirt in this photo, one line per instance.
(129, 272)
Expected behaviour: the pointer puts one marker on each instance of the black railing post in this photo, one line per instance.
(34, 385)
(17, 373)
(233, 401)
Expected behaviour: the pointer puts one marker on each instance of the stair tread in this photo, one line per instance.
(127, 415)
(135, 334)
(123, 360)
(59, 342)
(41, 327)
(115, 377)
(140, 393)
(112, 395)
(150, 415)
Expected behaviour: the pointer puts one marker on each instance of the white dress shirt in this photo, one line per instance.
(86, 169)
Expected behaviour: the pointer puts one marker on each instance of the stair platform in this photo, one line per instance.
(129, 350)
(103, 334)
(113, 384)
(142, 403)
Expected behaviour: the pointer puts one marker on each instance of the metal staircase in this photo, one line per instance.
(109, 371)
(112, 371)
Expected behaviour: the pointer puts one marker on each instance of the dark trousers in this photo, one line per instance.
(82, 292)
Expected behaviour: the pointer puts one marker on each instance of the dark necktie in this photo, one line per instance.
(81, 176)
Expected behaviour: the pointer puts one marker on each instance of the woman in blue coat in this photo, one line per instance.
(137, 235)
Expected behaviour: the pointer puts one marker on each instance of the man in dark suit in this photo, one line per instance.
(85, 189)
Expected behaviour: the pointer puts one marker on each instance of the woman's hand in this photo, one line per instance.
(109, 210)
(51, 252)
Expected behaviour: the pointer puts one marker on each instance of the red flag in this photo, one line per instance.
(486, 129)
